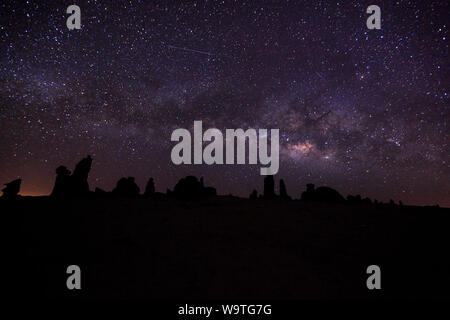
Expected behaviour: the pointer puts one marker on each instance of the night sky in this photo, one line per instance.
(363, 111)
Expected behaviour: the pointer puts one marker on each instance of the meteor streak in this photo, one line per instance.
(191, 50)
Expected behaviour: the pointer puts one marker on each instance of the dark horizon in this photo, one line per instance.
(274, 189)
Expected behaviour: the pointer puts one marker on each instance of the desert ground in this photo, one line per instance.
(227, 248)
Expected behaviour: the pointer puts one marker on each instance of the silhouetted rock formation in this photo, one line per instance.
(12, 189)
(283, 192)
(321, 194)
(76, 184)
(309, 194)
(329, 195)
(202, 184)
(190, 187)
(149, 188)
(269, 187)
(67, 185)
(79, 177)
(209, 191)
(126, 187)
(358, 200)
(62, 185)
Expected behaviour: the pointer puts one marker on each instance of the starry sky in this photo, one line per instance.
(363, 111)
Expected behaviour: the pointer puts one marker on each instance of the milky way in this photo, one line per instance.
(363, 111)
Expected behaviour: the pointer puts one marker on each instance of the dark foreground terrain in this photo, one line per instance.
(225, 247)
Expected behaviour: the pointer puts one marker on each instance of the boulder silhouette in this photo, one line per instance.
(12, 189)
(269, 187)
(190, 187)
(357, 199)
(67, 185)
(149, 188)
(209, 191)
(283, 192)
(202, 184)
(328, 195)
(62, 185)
(321, 194)
(79, 177)
(126, 187)
(309, 194)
